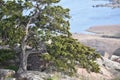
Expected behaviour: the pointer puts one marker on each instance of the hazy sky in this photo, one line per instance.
(84, 15)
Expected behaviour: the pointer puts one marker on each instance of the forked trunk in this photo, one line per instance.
(24, 55)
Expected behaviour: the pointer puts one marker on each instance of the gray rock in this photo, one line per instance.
(117, 52)
(114, 57)
(36, 75)
(112, 66)
(33, 75)
(4, 73)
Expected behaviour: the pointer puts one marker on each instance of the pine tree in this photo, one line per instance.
(33, 23)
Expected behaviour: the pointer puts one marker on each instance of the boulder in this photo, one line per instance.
(5, 73)
(115, 58)
(111, 66)
(33, 75)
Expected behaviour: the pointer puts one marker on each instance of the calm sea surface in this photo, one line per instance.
(84, 15)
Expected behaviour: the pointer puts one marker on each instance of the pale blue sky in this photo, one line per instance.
(84, 15)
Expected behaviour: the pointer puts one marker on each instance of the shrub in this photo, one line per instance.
(6, 54)
(12, 67)
(65, 52)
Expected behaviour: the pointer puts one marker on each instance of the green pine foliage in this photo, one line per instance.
(6, 56)
(64, 53)
(12, 67)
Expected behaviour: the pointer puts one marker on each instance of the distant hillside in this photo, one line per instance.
(109, 45)
(106, 30)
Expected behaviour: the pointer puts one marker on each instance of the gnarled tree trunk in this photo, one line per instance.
(23, 60)
(24, 55)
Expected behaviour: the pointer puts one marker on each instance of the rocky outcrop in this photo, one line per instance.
(111, 66)
(115, 58)
(36, 75)
(82, 74)
(108, 70)
(32, 75)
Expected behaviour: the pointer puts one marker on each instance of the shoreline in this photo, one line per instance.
(105, 29)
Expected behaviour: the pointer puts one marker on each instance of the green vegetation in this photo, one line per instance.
(7, 59)
(65, 53)
(6, 55)
(12, 67)
(44, 21)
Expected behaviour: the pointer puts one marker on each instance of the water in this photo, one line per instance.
(84, 15)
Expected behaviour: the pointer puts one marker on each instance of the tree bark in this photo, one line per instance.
(23, 60)
(24, 55)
